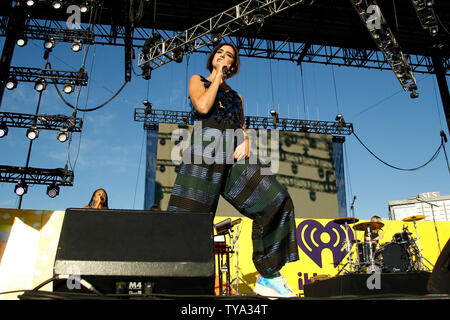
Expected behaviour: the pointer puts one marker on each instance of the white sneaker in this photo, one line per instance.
(275, 286)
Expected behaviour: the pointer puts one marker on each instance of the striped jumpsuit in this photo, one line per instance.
(206, 173)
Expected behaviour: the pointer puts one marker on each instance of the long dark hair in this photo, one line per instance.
(92, 202)
(236, 63)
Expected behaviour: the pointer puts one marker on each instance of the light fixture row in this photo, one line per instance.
(49, 43)
(40, 85)
(21, 188)
(57, 4)
(33, 133)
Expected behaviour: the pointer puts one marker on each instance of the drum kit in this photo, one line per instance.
(401, 254)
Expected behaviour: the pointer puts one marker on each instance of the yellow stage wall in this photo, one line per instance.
(32, 238)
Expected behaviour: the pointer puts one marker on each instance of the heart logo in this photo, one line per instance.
(313, 238)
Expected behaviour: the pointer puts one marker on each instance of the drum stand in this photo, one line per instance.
(418, 245)
(421, 258)
(348, 248)
(372, 262)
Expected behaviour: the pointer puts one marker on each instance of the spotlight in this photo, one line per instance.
(84, 7)
(259, 19)
(49, 43)
(21, 40)
(57, 4)
(32, 133)
(30, 3)
(414, 94)
(178, 55)
(148, 107)
(434, 30)
(429, 3)
(11, 84)
(69, 87)
(62, 135)
(339, 118)
(52, 190)
(274, 117)
(76, 45)
(40, 85)
(3, 130)
(146, 71)
(21, 188)
(215, 38)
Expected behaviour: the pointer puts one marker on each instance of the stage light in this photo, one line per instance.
(148, 106)
(177, 55)
(63, 135)
(30, 3)
(49, 43)
(40, 85)
(339, 118)
(21, 188)
(32, 133)
(434, 30)
(11, 84)
(69, 87)
(274, 114)
(52, 190)
(76, 45)
(84, 7)
(259, 19)
(215, 38)
(414, 94)
(429, 3)
(21, 40)
(3, 130)
(57, 4)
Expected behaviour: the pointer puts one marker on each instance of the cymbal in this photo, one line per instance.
(343, 220)
(413, 218)
(371, 225)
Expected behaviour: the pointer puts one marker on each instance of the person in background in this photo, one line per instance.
(99, 200)
(374, 235)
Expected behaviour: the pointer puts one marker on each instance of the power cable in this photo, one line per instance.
(433, 157)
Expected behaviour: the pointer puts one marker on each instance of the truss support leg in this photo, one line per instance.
(438, 64)
(15, 22)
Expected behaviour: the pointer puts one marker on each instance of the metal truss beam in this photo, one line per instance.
(41, 121)
(60, 176)
(236, 18)
(27, 74)
(153, 117)
(425, 13)
(248, 47)
(386, 42)
(293, 182)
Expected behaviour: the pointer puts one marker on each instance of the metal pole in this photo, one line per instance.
(31, 144)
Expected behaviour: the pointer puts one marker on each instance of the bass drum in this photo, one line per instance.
(393, 257)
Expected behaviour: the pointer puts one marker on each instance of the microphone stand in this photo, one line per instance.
(434, 221)
(352, 207)
(237, 264)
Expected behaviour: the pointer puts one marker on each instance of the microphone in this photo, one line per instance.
(226, 71)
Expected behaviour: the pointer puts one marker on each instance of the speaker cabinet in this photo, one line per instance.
(440, 277)
(129, 251)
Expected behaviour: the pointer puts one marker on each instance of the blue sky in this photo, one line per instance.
(111, 153)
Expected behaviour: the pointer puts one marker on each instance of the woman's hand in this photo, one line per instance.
(242, 151)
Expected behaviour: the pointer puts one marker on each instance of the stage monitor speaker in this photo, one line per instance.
(439, 281)
(136, 252)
